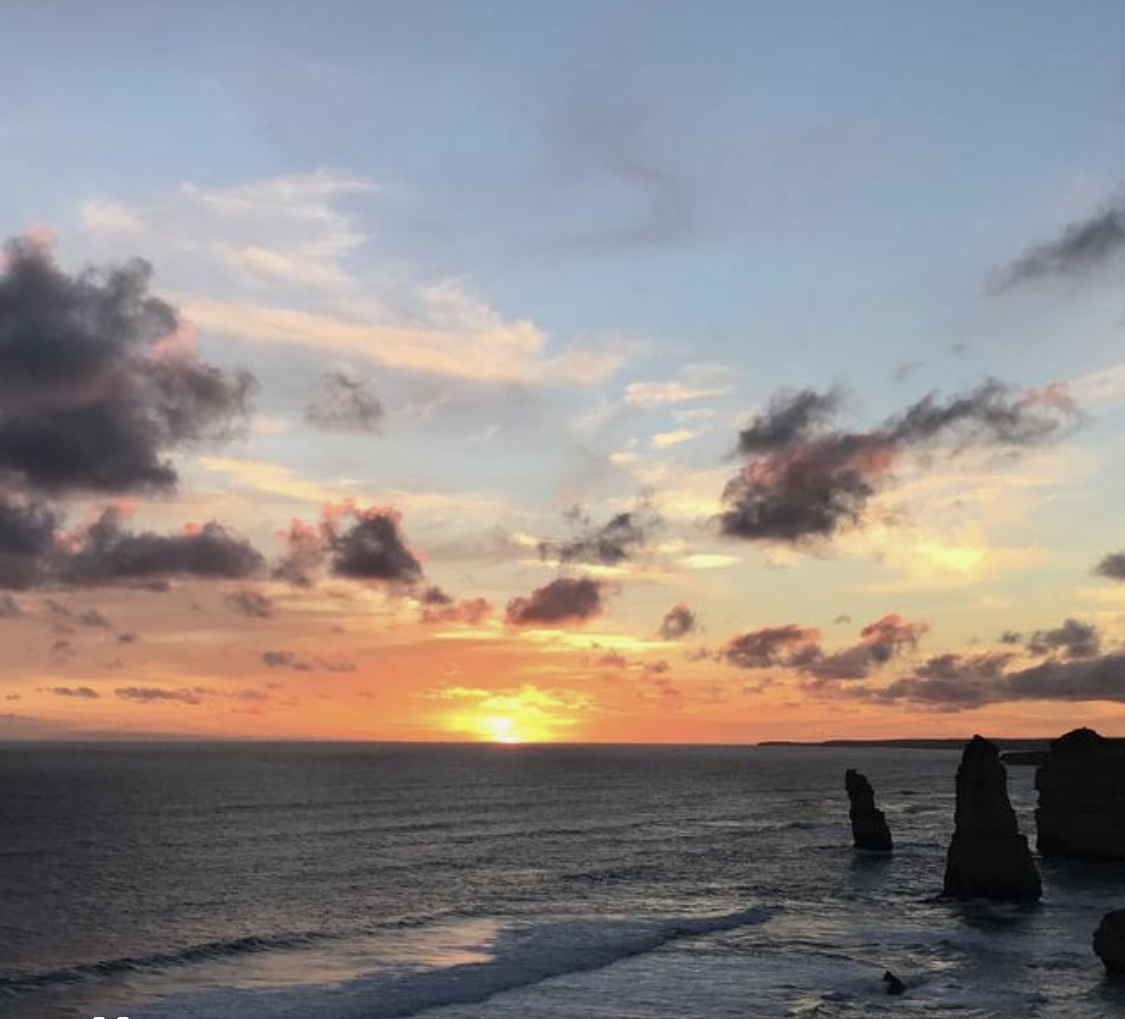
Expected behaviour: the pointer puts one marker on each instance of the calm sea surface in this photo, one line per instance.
(365, 882)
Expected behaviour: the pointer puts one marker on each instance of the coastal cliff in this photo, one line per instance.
(1081, 785)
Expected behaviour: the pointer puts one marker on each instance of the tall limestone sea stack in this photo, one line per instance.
(988, 857)
(1081, 787)
(869, 826)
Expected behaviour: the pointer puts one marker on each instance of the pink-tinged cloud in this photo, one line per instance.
(439, 607)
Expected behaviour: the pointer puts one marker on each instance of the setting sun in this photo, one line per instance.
(501, 730)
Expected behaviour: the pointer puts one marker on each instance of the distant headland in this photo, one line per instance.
(912, 744)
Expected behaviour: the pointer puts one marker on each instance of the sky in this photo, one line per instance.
(617, 371)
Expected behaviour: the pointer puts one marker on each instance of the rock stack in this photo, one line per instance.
(1081, 787)
(988, 857)
(1109, 942)
(869, 826)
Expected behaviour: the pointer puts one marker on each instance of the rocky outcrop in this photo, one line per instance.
(988, 857)
(1109, 942)
(894, 985)
(1081, 787)
(869, 826)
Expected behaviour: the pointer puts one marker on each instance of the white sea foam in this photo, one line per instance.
(522, 956)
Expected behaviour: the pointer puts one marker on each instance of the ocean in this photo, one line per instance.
(374, 881)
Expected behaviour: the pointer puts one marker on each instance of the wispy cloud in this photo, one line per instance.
(1082, 248)
(278, 231)
(480, 347)
(665, 440)
(290, 240)
(695, 382)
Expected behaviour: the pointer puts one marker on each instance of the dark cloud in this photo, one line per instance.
(678, 622)
(768, 646)
(284, 660)
(1094, 679)
(97, 388)
(563, 600)
(612, 660)
(1074, 670)
(851, 663)
(1112, 566)
(812, 491)
(357, 543)
(956, 682)
(249, 603)
(799, 648)
(950, 666)
(80, 692)
(291, 660)
(806, 480)
(343, 402)
(1072, 640)
(367, 544)
(1011, 637)
(154, 694)
(609, 544)
(886, 637)
(107, 553)
(948, 681)
(990, 415)
(1082, 248)
(27, 537)
(791, 416)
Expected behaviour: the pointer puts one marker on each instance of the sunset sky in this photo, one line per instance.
(601, 371)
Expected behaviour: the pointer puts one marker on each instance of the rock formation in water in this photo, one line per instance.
(1109, 942)
(988, 857)
(894, 985)
(1081, 787)
(869, 826)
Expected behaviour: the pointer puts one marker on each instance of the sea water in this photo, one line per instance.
(377, 881)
